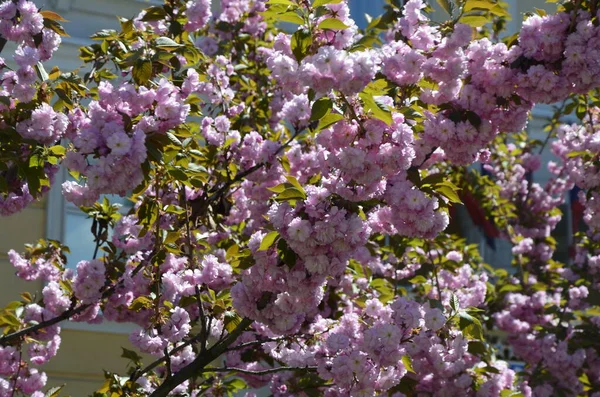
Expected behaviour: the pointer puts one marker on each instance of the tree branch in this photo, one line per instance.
(201, 361)
(72, 311)
(256, 342)
(200, 205)
(140, 372)
(264, 372)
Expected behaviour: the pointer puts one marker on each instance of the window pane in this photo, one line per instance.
(78, 236)
(358, 9)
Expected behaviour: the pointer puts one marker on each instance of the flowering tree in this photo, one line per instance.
(293, 195)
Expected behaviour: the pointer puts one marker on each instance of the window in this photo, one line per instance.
(358, 9)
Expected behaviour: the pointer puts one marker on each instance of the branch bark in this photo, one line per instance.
(199, 364)
(258, 373)
(72, 311)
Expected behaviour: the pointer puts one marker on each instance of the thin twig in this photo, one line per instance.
(258, 373)
(201, 361)
(168, 363)
(72, 311)
(354, 115)
(203, 333)
(555, 117)
(140, 372)
(190, 256)
(255, 342)
(12, 394)
(574, 16)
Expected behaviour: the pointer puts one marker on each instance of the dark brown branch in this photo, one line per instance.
(200, 362)
(72, 311)
(264, 372)
(18, 373)
(2, 43)
(203, 336)
(363, 131)
(255, 342)
(140, 372)
(200, 205)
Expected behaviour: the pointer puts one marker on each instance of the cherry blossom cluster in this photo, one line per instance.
(538, 205)
(367, 350)
(19, 368)
(23, 25)
(324, 239)
(108, 152)
(533, 316)
(575, 147)
(291, 191)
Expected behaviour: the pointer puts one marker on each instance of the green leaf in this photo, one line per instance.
(418, 280)
(231, 321)
(449, 191)
(407, 361)
(58, 150)
(33, 178)
(377, 109)
(294, 182)
(284, 2)
(142, 71)
(318, 3)
(291, 193)
(406, 386)
(268, 241)
(454, 303)
(9, 319)
(300, 44)
(446, 5)
(131, 355)
(167, 43)
(476, 347)
(473, 118)
(378, 87)
(154, 14)
(277, 189)
(126, 26)
(236, 384)
(141, 302)
(577, 154)
(174, 139)
(511, 288)
(13, 305)
(433, 179)
(470, 326)
(55, 26)
(593, 297)
(320, 108)
(510, 393)
(53, 16)
(328, 120)
(53, 392)
(178, 174)
(41, 72)
(499, 11)
(290, 17)
(333, 24)
(479, 4)
(287, 254)
(476, 21)
(285, 163)
(466, 318)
